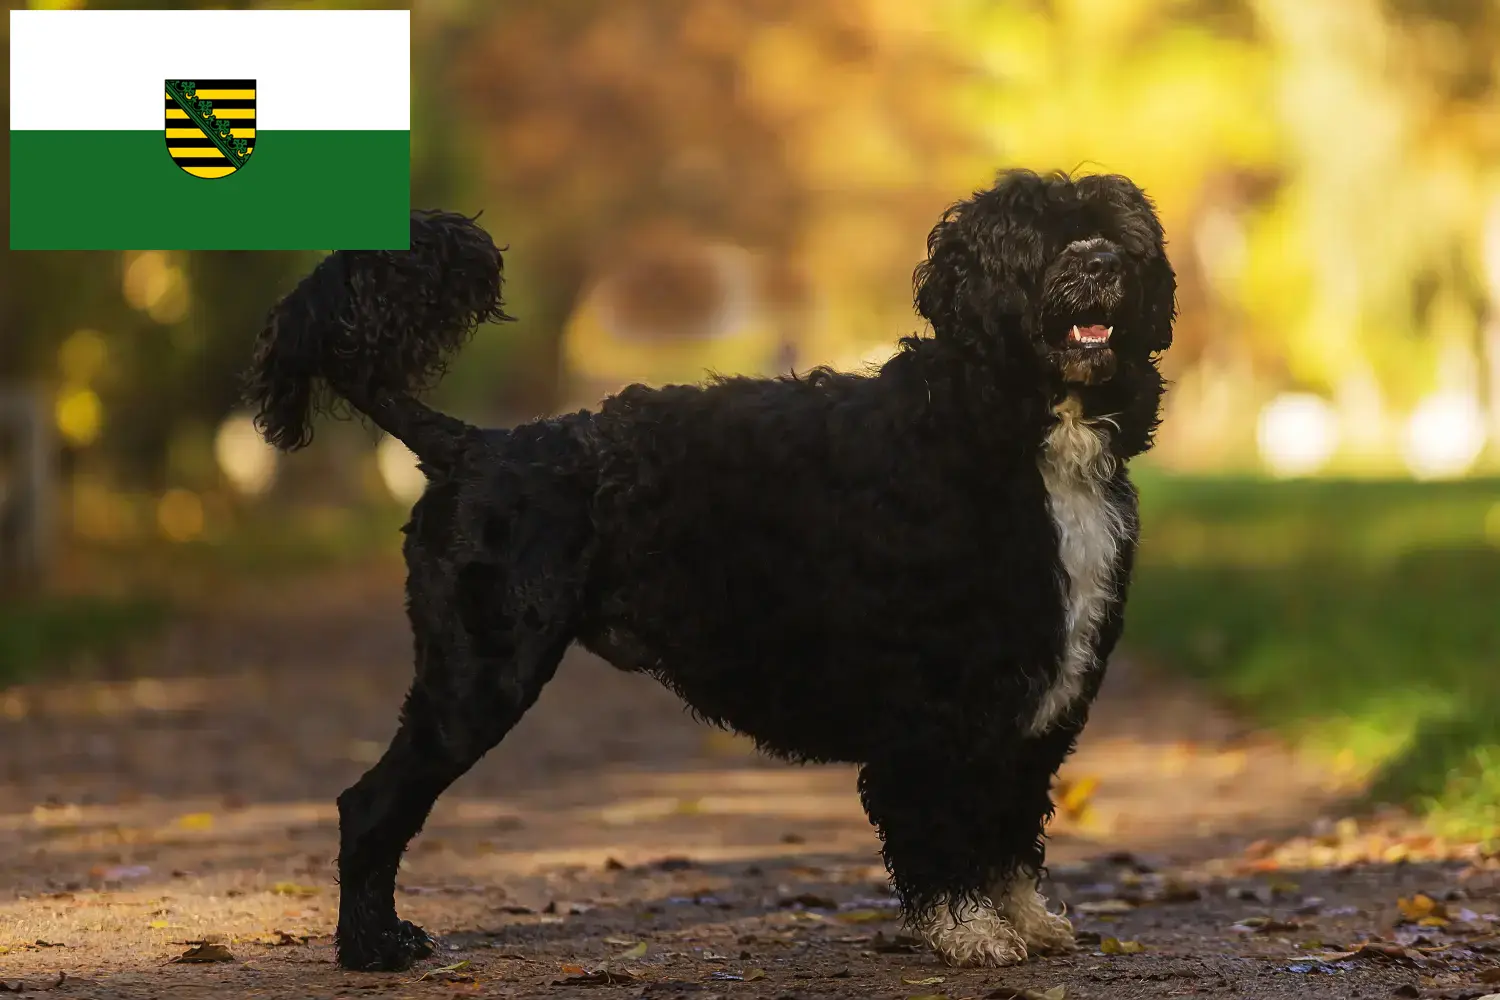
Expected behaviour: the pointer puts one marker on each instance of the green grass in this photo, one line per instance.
(1361, 619)
(40, 631)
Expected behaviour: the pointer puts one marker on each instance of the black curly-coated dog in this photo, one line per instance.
(921, 570)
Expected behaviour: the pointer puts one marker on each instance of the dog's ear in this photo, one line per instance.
(942, 281)
(1133, 214)
(1159, 283)
(982, 257)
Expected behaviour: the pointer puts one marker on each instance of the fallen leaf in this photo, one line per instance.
(1174, 890)
(455, 967)
(294, 889)
(1420, 907)
(865, 916)
(1264, 925)
(1074, 796)
(599, 977)
(637, 952)
(755, 974)
(929, 981)
(196, 821)
(810, 900)
(621, 942)
(1097, 907)
(157, 925)
(1374, 951)
(900, 944)
(286, 940)
(120, 873)
(204, 952)
(1114, 946)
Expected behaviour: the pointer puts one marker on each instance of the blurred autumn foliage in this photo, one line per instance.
(1327, 171)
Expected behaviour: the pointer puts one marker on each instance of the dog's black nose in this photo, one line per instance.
(1101, 263)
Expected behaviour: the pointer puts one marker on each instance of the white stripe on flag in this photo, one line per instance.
(324, 70)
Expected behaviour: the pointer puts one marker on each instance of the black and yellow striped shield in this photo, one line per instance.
(210, 125)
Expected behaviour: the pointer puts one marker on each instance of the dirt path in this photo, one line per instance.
(190, 799)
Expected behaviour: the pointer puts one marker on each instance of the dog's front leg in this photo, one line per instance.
(962, 830)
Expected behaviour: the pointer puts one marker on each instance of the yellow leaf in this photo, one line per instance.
(755, 974)
(157, 925)
(1432, 922)
(1114, 946)
(929, 981)
(637, 952)
(864, 916)
(1419, 907)
(293, 889)
(1105, 906)
(455, 967)
(1074, 796)
(196, 821)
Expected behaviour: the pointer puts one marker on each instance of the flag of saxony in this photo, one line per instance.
(210, 125)
(244, 129)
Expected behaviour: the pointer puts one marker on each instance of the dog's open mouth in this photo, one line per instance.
(1092, 336)
(1087, 355)
(1089, 336)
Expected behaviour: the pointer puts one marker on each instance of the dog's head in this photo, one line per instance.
(1071, 274)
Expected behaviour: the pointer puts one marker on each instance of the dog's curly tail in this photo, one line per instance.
(374, 326)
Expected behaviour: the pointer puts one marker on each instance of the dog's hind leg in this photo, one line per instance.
(488, 638)
(459, 708)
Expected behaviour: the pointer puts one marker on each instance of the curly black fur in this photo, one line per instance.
(371, 324)
(846, 567)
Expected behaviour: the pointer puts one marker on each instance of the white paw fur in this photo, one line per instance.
(1026, 909)
(963, 934)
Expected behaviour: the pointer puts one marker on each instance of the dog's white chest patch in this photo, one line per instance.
(1076, 466)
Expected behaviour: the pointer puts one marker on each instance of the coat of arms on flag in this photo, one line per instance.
(210, 125)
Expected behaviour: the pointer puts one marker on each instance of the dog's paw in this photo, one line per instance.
(1046, 933)
(392, 949)
(965, 935)
(1041, 929)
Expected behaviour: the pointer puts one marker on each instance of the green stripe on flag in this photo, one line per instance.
(347, 190)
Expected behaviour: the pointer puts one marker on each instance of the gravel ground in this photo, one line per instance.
(179, 799)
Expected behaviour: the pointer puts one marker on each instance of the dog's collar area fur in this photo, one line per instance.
(1077, 466)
